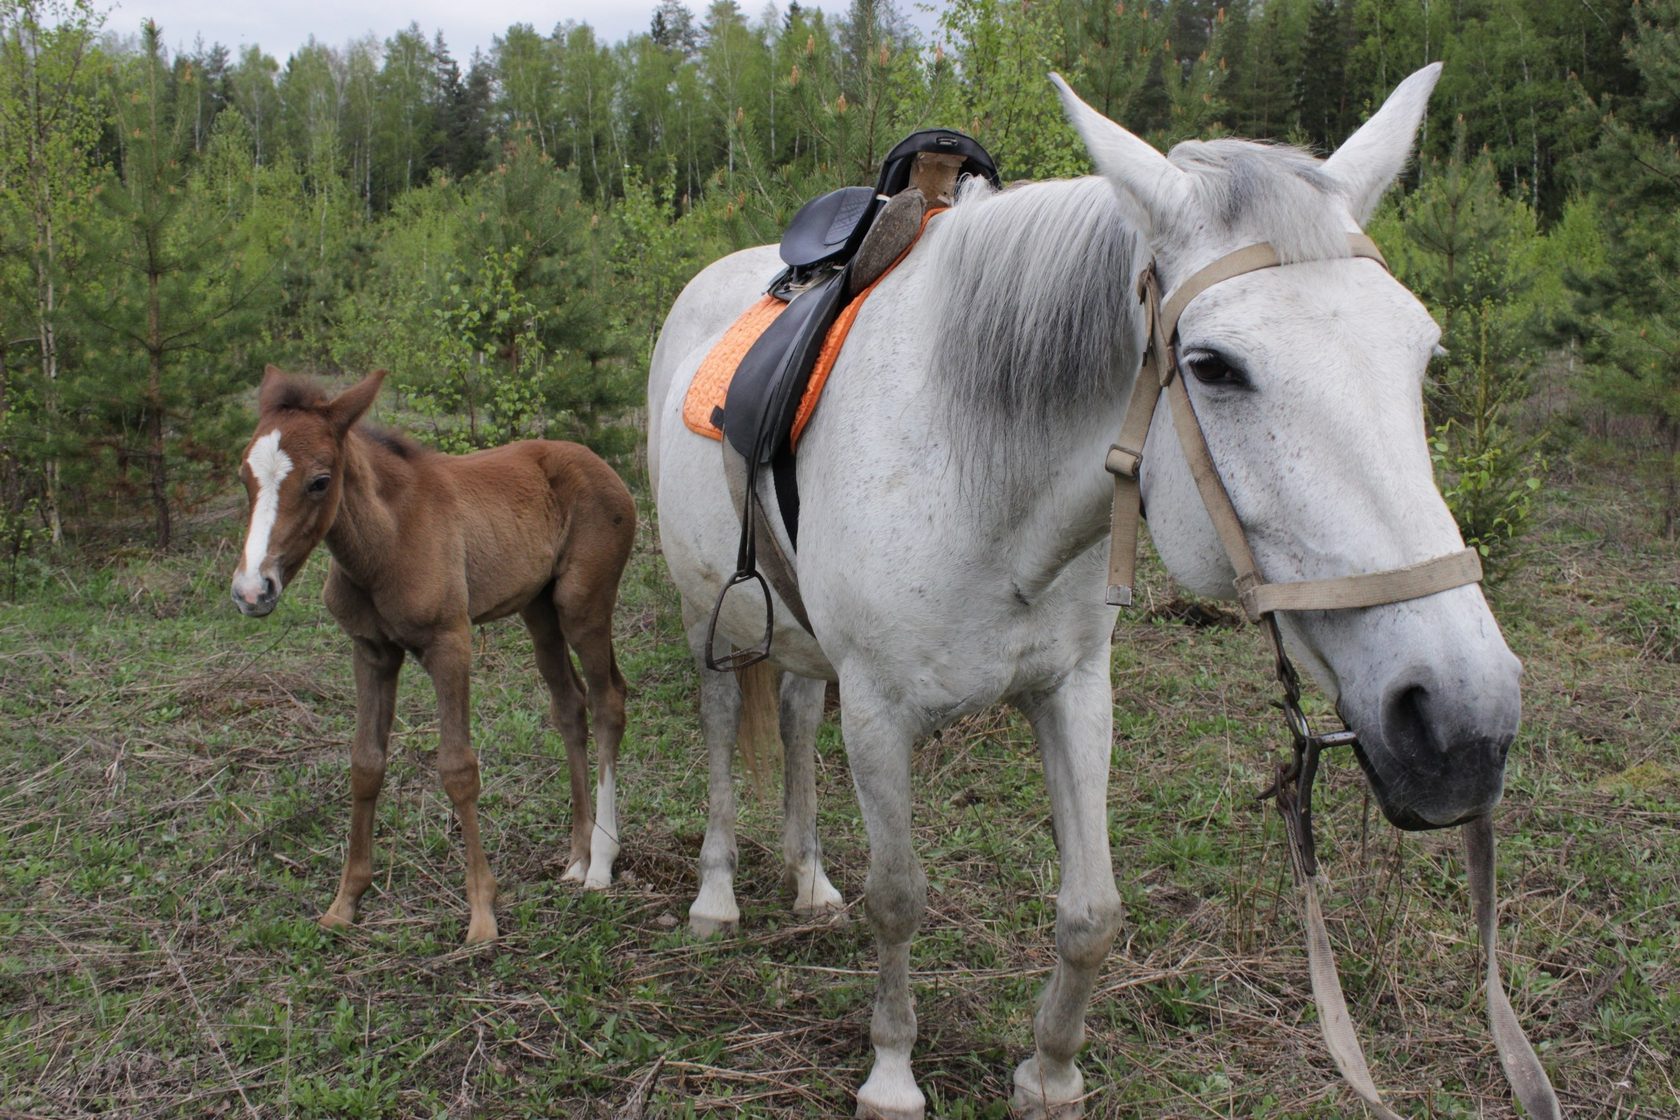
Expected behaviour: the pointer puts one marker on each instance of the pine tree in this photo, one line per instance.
(1321, 89)
(49, 127)
(1628, 313)
(166, 287)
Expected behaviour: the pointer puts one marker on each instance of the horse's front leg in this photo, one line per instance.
(802, 869)
(1075, 726)
(448, 660)
(376, 666)
(878, 743)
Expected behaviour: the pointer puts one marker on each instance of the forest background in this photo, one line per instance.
(505, 234)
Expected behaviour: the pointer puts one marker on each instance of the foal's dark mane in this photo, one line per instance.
(295, 393)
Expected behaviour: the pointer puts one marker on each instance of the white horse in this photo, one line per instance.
(952, 534)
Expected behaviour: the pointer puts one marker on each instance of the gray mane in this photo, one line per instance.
(1035, 310)
(1031, 304)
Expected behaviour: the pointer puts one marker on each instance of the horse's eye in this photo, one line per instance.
(1211, 368)
(318, 484)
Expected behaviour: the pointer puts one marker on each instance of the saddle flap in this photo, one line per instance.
(770, 380)
(828, 227)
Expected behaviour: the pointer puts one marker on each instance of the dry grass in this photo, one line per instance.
(172, 807)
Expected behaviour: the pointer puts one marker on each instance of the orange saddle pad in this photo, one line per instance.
(710, 387)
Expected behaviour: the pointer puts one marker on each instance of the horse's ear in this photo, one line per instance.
(1139, 173)
(1368, 163)
(274, 382)
(348, 407)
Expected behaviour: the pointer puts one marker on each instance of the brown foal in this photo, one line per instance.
(424, 545)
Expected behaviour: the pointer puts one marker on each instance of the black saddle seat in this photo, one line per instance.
(828, 228)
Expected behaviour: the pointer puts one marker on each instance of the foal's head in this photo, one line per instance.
(1306, 380)
(292, 470)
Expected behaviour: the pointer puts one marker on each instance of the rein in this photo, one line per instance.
(1292, 788)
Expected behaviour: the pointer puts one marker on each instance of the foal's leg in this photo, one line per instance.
(448, 661)
(878, 743)
(802, 870)
(376, 666)
(714, 910)
(566, 709)
(1075, 726)
(586, 614)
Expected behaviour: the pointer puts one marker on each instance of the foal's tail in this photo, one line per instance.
(760, 737)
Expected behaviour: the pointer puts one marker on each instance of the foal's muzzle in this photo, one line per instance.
(256, 600)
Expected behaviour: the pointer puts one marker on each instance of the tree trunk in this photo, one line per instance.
(154, 412)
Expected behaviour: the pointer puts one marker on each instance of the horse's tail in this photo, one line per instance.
(760, 736)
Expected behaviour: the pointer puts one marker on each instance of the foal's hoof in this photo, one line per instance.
(577, 872)
(481, 930)
(335, 920)
(1047, 1096)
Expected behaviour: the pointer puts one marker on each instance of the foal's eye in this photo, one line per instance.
(1211, 368)
(318, 484)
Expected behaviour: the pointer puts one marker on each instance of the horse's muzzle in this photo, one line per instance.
(259, 603)
(1437, 759)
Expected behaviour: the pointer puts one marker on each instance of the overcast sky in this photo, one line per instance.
(279, 27)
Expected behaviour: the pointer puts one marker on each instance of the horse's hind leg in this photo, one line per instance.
(586, 611)
(566, 710)
(802, 869)
(448, 661)
(714, 909)
(376, 668)
(1075, 726)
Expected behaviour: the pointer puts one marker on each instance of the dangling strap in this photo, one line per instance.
(1333, 1018)
(1522, 1066)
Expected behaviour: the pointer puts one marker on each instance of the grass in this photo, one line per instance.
(173, 799)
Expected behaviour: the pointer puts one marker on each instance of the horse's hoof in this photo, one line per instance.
(593, 882)
(577, 872)
(480, 931)
(816, 898)
(899, 1100)
(334, 921)
(705, 927)
(1041, 1096)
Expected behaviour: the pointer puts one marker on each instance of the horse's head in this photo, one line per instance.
(1307, 380)
(292, 470)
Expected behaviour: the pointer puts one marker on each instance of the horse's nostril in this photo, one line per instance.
(1406, 717)
(269, 591)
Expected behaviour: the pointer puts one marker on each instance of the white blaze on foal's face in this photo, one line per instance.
(266, 467)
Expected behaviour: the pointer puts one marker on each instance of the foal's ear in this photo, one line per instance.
(274, 380)
(1141, 175)
(1368, 163)
(347, 408)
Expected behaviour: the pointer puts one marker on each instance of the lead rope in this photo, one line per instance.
(1292, 788)
(1292, 791)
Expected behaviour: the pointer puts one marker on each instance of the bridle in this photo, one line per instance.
(1160, 376)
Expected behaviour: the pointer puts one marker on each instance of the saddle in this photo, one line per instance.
(836, 246)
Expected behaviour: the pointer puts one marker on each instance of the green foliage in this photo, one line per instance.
(507, 239)
(1627, 308)
(1467, 249)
